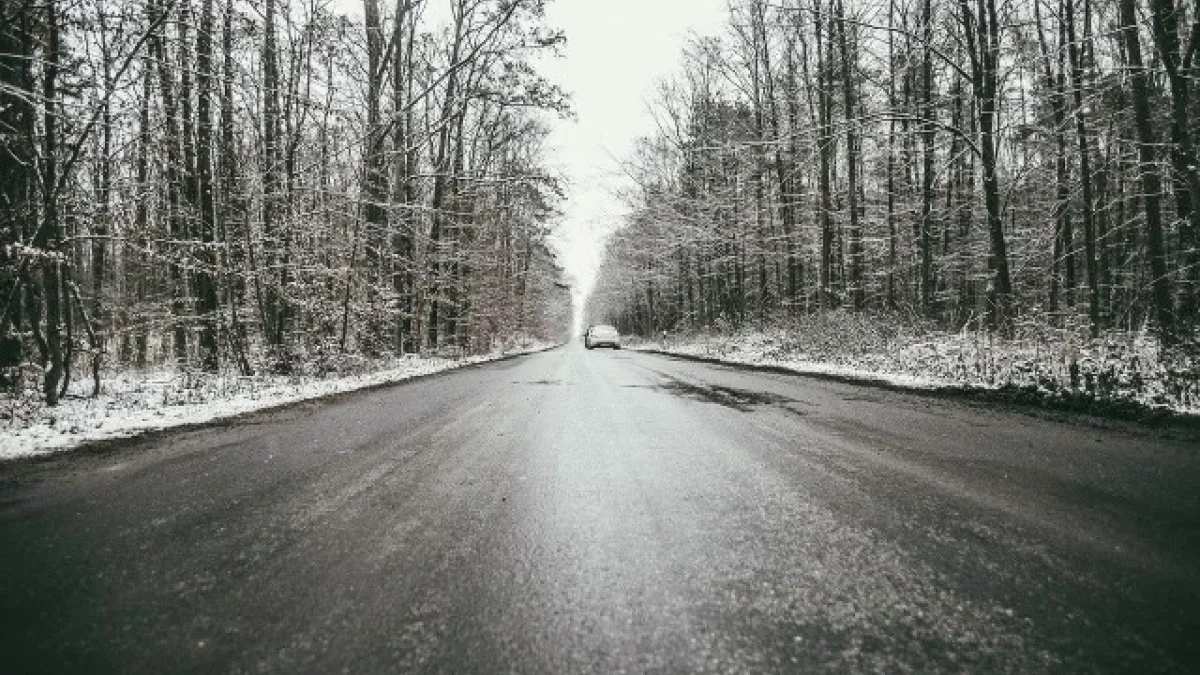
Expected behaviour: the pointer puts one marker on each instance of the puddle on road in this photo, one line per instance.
(864, 398)
(546, 383)
(742, 400)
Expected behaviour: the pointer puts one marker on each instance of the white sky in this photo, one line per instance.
(616, 53)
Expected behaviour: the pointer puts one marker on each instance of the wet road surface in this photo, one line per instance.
(609, 512)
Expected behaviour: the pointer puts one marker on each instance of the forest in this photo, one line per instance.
(270, 186)
(1004, 167)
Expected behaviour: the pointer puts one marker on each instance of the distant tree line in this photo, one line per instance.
(258, 184)
(973, 162)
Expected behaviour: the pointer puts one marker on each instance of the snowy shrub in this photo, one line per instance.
(1041, 358)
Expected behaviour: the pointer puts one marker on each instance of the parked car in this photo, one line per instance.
(602, 336)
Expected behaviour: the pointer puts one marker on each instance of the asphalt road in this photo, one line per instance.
(609, 512)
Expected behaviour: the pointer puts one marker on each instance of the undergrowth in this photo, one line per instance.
(1039, 361)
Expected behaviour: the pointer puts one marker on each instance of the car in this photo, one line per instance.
(602, 335)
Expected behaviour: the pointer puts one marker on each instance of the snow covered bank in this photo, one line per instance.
(1119, 369)
(135, 403)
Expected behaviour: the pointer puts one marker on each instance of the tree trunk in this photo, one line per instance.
(18, 177)
(1148, 173)
(849, 83)
(893, 234)
(983, 44)
(273, 310)
(1085, 171)
(374, 188)
(825, 186)
(232, 226)
(928, 134)
(790, 193)
(404, 280)
(438, 283)
(1184, 164)
(206, 286)
(100, 229)
(141, 218)
(50, 235)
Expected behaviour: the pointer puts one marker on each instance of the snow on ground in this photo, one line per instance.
(134, 403)
(1116, 367)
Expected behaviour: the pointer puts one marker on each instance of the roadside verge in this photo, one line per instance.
(1077, 405)
(136, 405)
